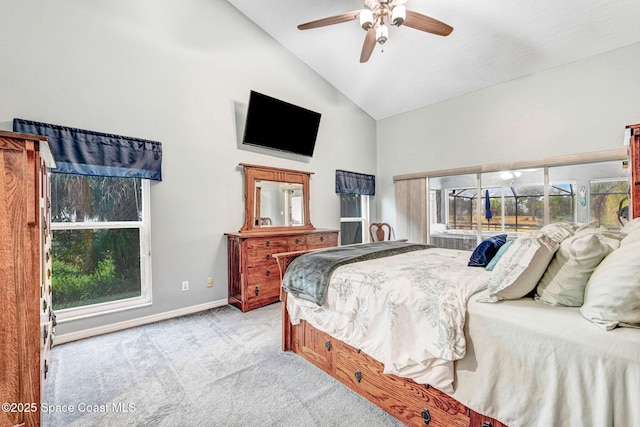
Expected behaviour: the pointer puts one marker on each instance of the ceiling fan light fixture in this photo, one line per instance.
(398, 15)
(506, 175)
(366, 19)
(376, 18)
(382, 33)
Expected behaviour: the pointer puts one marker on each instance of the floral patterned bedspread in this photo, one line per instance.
(407, 311)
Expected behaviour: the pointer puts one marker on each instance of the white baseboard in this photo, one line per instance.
(113, 327)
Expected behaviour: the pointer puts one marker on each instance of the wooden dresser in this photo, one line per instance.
(277, 219)
(254, 277)
(26, 317)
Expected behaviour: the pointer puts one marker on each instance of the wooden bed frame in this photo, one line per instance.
(413, 404)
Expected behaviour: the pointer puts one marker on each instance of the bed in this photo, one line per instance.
(434, 341)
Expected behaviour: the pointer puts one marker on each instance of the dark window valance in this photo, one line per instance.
(85, 152)
(355, 183)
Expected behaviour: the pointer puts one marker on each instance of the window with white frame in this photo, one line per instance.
(100, 244)
(354, 218)
(99, 218)
(354, 190)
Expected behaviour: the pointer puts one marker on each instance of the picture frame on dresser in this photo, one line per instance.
(277, 219)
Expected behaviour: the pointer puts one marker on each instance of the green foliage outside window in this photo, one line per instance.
(95, 264)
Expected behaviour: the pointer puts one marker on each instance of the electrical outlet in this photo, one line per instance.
(185, 285)
(210, 282)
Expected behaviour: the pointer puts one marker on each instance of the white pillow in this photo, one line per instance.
(521, 267)
(612, 296)
(559, 231)
(564, 282)
(634, 236)
(631, 226)
(593, 225)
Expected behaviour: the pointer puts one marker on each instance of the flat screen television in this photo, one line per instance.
(279, 125)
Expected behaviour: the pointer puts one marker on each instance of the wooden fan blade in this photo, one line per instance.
(345, 17)
(422, 22)
(369, 44)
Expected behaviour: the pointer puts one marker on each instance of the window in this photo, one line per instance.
(466, 208)
(562, 202)
(607, 200)
(354, 190)
(100, 243)
(354, 218)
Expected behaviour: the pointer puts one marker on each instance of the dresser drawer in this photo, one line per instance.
(322, 240)
(264, 257)
(365, 375)
(266, 243)
(262, 286)
(297, 243)
(263, 276)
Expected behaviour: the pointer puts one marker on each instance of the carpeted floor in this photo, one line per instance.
(216, 368)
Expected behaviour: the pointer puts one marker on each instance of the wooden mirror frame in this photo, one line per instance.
(253, 173)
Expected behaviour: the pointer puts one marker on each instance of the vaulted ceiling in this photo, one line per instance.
(493, 41)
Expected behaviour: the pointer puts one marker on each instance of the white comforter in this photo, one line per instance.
(534, 365)
(407, 311)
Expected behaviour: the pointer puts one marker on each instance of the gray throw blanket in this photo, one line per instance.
(308, 275)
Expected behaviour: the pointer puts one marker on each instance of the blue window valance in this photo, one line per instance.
(86, 152)
(355, 183)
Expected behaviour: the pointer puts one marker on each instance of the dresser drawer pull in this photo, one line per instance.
(322, 238)
(257, 290)
(268, 243)
(426, 416)
(268, 256)
(297, 241)
(327, 345)
(358, 376)
(268, 273)
(487, 424)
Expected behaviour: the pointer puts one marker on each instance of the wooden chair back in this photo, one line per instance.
(378, 233)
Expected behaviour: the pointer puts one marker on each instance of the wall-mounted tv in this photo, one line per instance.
(279, 125)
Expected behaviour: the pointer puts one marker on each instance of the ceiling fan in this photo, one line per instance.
(376, 21)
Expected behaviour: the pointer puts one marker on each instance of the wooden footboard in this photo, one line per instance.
(413, 404)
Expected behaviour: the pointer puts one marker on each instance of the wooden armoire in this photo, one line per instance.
(26, 316)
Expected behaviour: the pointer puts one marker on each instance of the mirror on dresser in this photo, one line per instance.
(276, 198)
